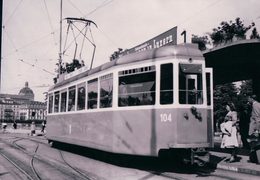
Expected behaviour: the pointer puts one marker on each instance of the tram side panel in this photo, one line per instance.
(136, 132)
(145, 132)
(192, 128)
(92, 130)
(140, 132)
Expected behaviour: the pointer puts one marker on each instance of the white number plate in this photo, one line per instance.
(166, 117)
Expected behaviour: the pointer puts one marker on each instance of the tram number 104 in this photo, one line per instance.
(166, 117)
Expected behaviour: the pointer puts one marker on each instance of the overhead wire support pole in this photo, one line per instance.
(1, 3)
(60, 53)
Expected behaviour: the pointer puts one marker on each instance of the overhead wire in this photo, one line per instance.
(14, 11)
(29, 44)
(10, 39)
(199, 12)
(33, 65)
(103, 4)
(49, 20)
(73, 5)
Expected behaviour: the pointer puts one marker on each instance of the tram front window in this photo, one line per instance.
(137, 87)
(190, 84)
(166, 84)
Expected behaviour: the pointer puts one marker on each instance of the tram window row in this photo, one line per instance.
(136, 87)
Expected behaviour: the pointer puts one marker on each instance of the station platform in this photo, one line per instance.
(217, 156)
(242, 164)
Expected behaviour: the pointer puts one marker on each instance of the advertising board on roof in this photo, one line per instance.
(167, 38)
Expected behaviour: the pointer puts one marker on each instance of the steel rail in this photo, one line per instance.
(17, 166)
(32, 165)
(75, 169)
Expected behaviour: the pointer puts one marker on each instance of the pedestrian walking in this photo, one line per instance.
(4, 125)
(15, 125)
(244, 120)
(229, 130)
(33, 128)
(254, 126)
(43, 126)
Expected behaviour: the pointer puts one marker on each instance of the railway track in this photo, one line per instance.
(63, 167)
(18, 166)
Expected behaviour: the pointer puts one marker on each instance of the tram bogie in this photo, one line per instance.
(139, 104)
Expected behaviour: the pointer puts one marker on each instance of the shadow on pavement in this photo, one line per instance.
(154, 165)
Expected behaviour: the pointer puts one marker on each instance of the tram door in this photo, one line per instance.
(209, 86)
(191, 85)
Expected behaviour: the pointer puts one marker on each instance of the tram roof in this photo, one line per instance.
(186, 51)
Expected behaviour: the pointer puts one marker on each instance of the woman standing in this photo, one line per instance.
(229, 130)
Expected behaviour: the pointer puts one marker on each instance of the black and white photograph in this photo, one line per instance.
(130, 90)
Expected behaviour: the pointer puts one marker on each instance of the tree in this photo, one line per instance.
(228, 30)
(246, 88)
(202, 41)
(223, 94)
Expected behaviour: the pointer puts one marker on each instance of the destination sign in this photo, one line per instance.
(167, 38)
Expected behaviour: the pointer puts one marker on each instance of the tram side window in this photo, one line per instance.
(137, 87)
(63, 104)
(71, 102)
(81, 96)
(190, 84)
(50, 103)
(92, 93)
(106, 89)
(166, 87)
(56, 101)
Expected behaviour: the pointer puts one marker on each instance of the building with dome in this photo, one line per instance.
(26, 92)
(22, 106)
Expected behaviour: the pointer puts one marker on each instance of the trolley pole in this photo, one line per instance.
(1, 3)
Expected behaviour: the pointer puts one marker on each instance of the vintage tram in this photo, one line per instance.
(143, 103)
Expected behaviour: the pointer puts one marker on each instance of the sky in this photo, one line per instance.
(30, 31)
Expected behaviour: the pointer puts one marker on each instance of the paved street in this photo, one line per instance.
(63, 162)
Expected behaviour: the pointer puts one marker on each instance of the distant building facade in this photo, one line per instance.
(22, 106)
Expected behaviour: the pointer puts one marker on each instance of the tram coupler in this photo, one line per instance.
(200, 156)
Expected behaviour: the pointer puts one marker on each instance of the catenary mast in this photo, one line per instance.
(60, 53)
(1, 4)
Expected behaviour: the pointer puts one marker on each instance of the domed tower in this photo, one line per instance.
(27, 92)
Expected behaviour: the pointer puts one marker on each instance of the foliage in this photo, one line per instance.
(68, 67)
(222, 95)
(229, 92)
(254, 34)
(116, 54)
(227, 31)
(246, 88)
(202, 41)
